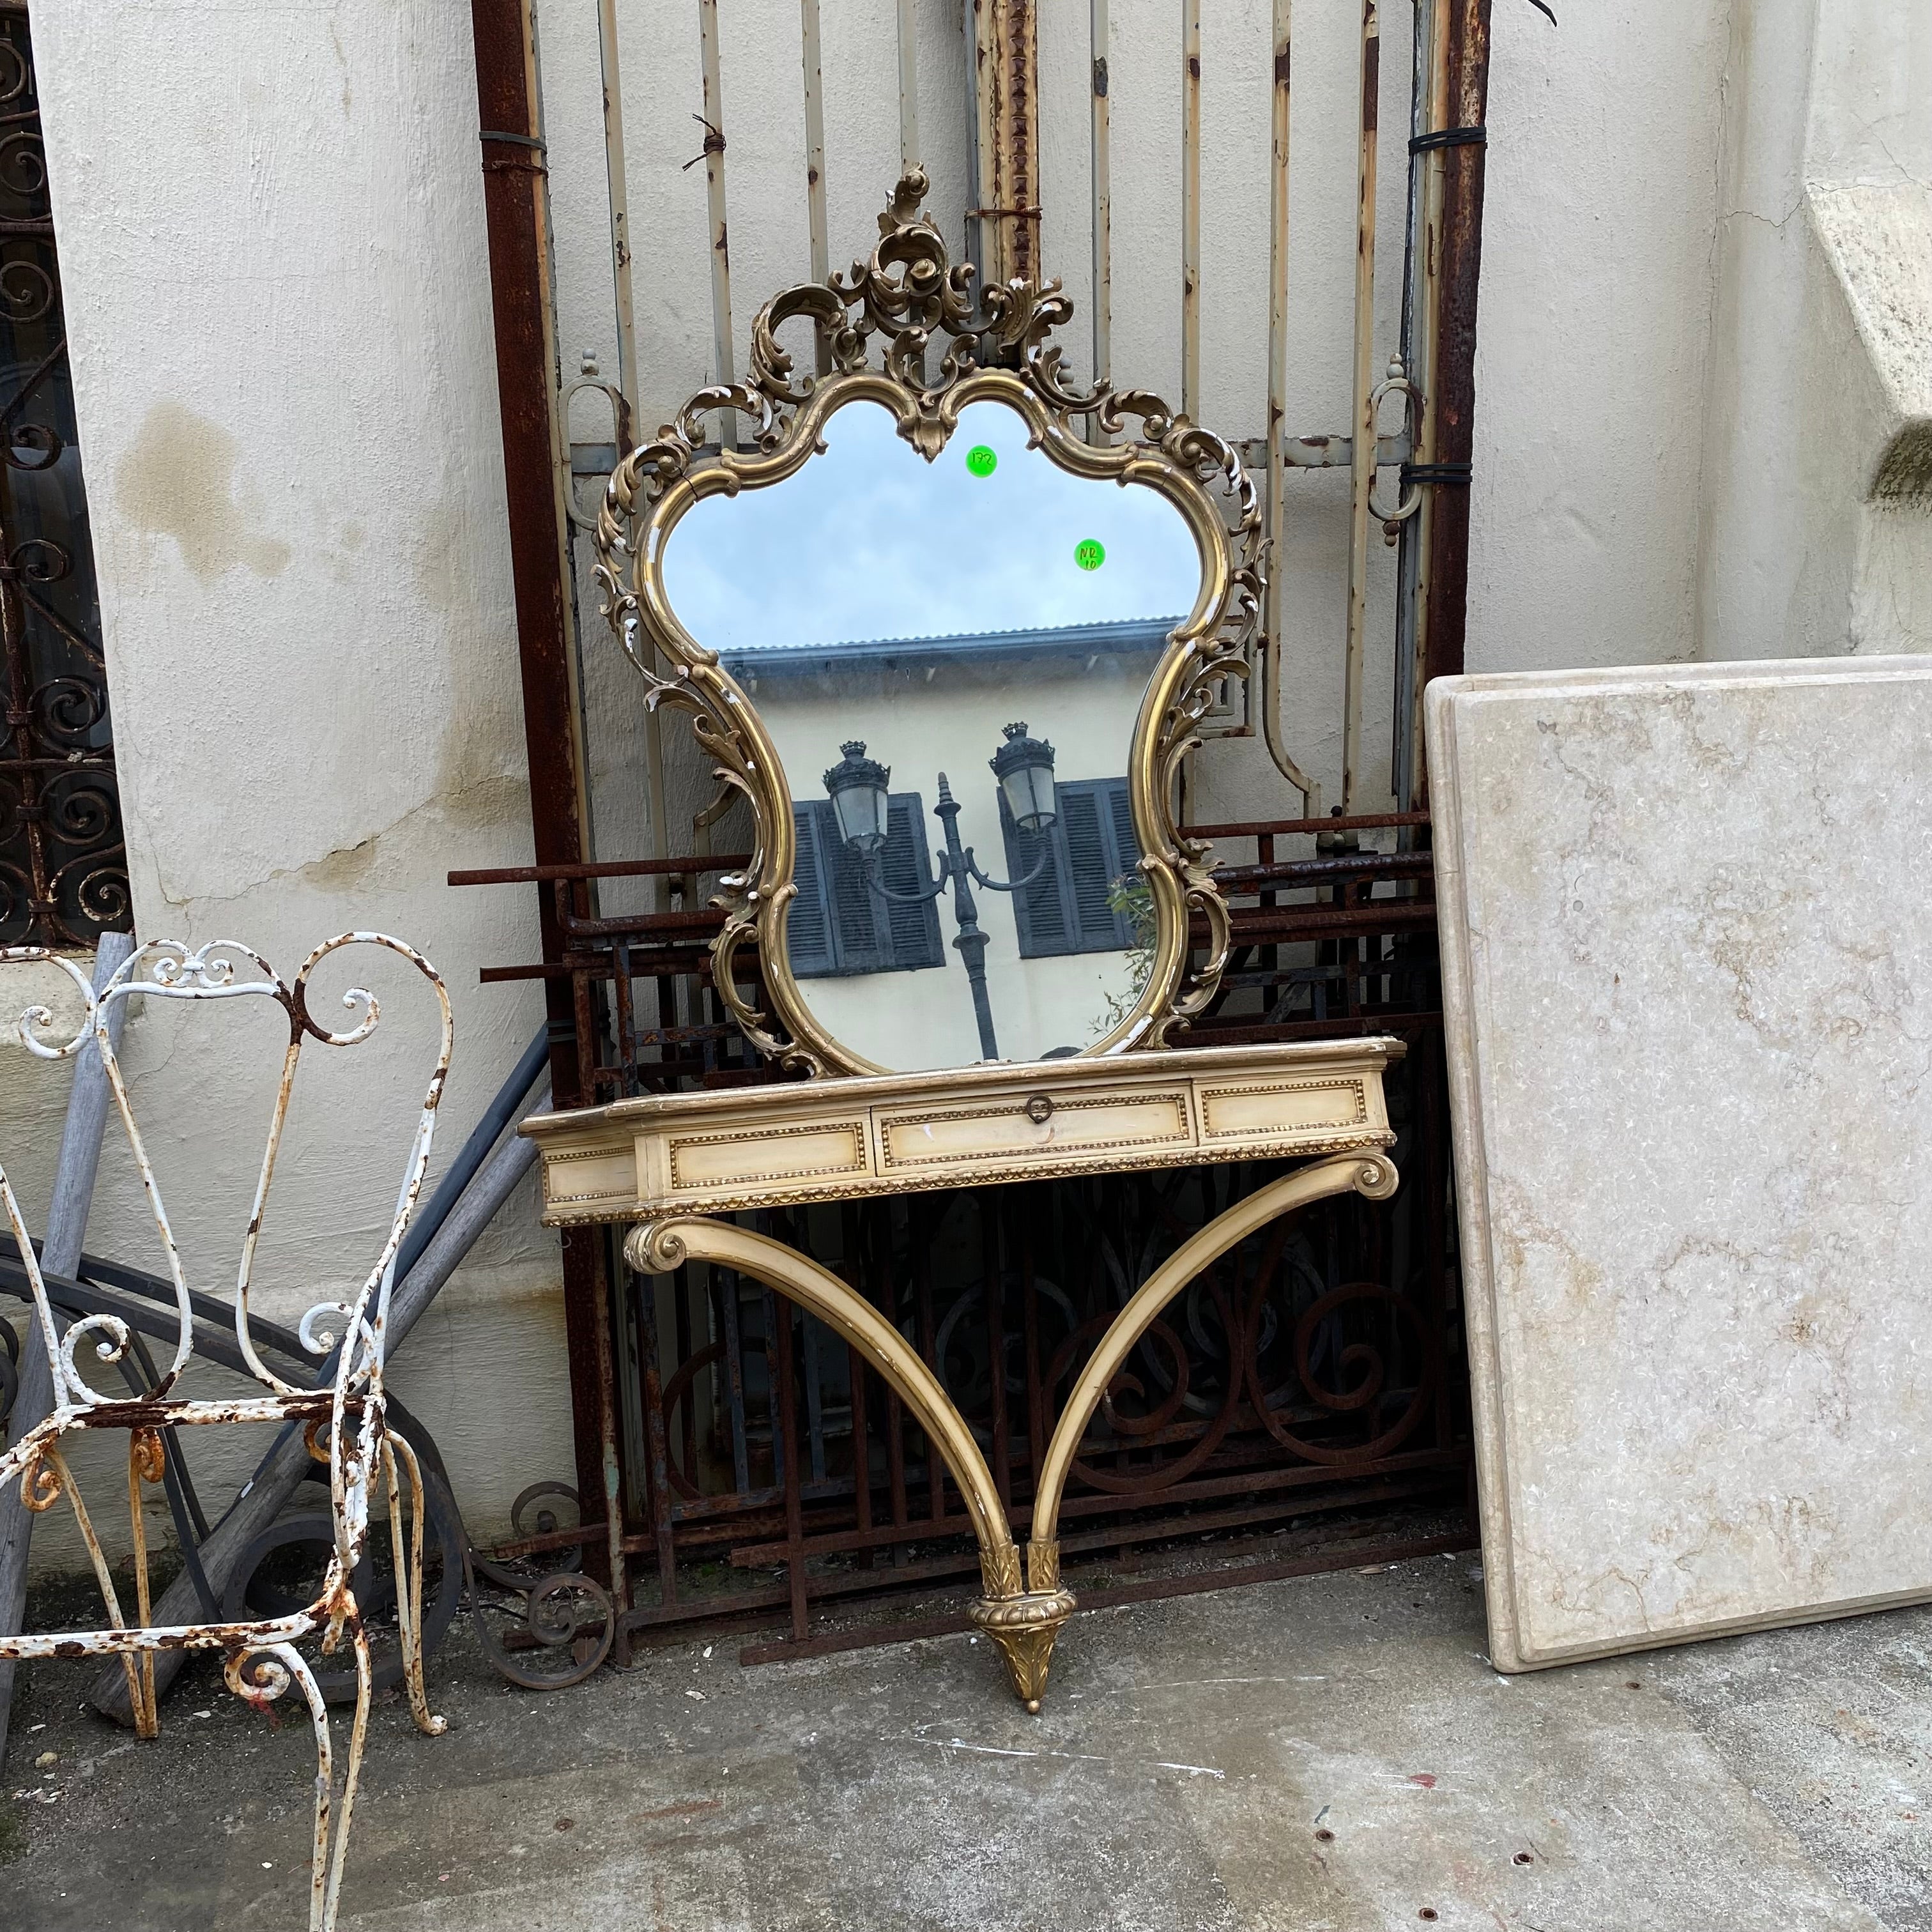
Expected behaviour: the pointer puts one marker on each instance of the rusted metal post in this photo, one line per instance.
(713, 118)
(516, 213)
(617, 192)
(1363, 467)
(1101, 143)
(1453, 397)
(1190, 208)
(1418, 356)
(1003, 228)
(814, 159)
(1276, 506)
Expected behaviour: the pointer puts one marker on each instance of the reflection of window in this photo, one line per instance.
(838, 924)
(1090, 844)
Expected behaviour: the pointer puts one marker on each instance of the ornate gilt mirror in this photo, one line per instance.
(948, 625)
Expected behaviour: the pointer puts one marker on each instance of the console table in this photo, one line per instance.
(672, 1167)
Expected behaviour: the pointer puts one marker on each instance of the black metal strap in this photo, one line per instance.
(1449, 137)
(1453, 475)
(527, 164)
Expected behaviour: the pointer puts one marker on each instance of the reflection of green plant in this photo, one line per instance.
(1130, 897)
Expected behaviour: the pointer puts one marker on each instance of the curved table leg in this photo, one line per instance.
(1372, 1174)
(1012, 1618)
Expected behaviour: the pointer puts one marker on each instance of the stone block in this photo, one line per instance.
(1687, 978)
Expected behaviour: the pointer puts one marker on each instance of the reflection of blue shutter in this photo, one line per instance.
(838, 924)
(1086, 864)
(1091, 844)
(1040, 910)
(808, 930)
(906, 866)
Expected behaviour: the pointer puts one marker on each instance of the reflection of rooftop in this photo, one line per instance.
(1133, 637)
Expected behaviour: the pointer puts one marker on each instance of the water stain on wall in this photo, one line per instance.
(177, 480)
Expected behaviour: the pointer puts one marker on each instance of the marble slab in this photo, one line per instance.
(1686, 928)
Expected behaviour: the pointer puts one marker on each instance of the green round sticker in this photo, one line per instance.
(981, 460)
(1090, 555)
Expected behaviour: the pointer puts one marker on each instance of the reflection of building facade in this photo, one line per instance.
(1058, 946)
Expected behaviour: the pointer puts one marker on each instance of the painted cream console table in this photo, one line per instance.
(673, 1168)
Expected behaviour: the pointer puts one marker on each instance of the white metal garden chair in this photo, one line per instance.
(342, 1414)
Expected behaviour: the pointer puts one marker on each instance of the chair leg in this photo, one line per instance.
(409, 1580)
(260, 1676)
(358, 1731)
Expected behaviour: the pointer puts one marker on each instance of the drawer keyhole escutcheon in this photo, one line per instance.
(1039, 1109)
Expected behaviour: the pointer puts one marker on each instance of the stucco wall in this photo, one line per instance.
(1816, 511)
(278, 296)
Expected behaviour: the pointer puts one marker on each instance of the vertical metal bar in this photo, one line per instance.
(517, 219)
(644, 1291)
(624, 1018)
(1276, 501)
(1190, 208)
(726, 1283)
(1363, 468)
(814, 157)
(681, 1291)
(886, 1300)
(722, 336)
(1467, 65)
(815, 1399)
(1101, 141)
(982, 231)
(861, 1449)
(992, 1277)
(1019, 130)
(1036, 1391)
(909, 153)
(785, 1422)
(922, 1250)
(617, 193)
(1418, 359)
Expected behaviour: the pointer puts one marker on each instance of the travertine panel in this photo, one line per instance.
(1687, 967)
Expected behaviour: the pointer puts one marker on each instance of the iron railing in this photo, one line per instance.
(63, 863)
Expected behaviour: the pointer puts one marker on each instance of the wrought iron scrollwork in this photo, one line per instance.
(63, 861)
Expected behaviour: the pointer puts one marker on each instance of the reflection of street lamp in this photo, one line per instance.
(1024, 767)
(857, 786)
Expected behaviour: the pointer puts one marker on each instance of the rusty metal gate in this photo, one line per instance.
(736, 1461)
(63, 863)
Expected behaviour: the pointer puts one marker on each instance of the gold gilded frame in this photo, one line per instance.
(909, 294)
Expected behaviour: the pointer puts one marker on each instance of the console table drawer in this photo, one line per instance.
(1039, 1125)
(1278, 1107)
(694, 1166)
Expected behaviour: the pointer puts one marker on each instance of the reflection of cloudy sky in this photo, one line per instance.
(871, 540)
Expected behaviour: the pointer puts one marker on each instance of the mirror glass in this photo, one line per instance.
(949, 658)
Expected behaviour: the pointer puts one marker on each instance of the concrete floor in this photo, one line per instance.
(1330, 1752)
